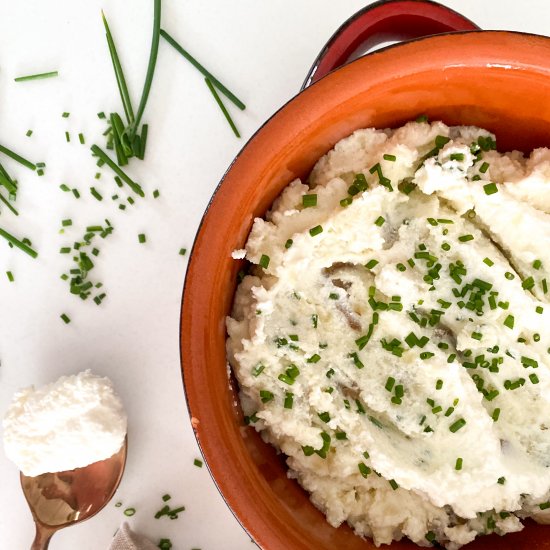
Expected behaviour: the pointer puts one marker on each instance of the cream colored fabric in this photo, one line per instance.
(126, 539)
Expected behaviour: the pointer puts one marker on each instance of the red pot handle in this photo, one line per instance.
(382, 21)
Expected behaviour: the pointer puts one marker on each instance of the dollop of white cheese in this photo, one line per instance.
(71, 423)
(395, 345)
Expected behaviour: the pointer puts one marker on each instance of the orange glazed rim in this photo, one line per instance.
(274, 511)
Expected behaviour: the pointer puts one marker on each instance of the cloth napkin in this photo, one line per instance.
(126, 539)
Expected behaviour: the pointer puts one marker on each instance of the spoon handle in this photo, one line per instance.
(42, 538)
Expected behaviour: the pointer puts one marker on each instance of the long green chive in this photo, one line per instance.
(119, 74)
(222, 107)
(455, 426)
(232, 97)
(38, 76)
(65, 318)
(490, 189)
(150, 68)
(264, 261)
(309, 200)
(18, 244)
(17, 158)
(98, 152)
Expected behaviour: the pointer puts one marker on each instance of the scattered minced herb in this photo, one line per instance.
(129, 511)
(37, 76)
(165, 544)
(78, 275)
(29, 133)
(10, 276)
(172, 513)
(183, 251)
(197, 463)
(142, 238)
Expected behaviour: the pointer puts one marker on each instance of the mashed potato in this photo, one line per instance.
(390, 339)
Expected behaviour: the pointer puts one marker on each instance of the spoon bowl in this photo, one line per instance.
(61, 499)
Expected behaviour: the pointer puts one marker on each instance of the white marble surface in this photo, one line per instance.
(262, 50)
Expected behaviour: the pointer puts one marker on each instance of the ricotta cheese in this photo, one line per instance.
(391, 336)
(71, 423)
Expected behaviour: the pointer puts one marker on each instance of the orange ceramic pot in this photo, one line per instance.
(496, 80)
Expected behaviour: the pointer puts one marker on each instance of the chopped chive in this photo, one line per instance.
(421, 118)
(183, 251)
(509, 321)
(496, 414)
(309, 200)
(488, 262)
(37, 76)
(197, 463)
(389, 383)
(490, 189)
(316, 230)
(142, 238)
(81, 138)
(67, 137)
(393, 484)
(457, 156)
(29, 133)
(534, 378)
(439, 384)
(455, 426)
(528, 283)
(289, 400)
(379, 221)
(65, 318)
(458, 464)
(156, 194)
(484, 167)
(371, 263)
(67, 222)
(264, 261)
(76, 193)
(65, 250)
(289, 243)
(544, 505)
(10, 276)
(390, 158)
(95, 193)
(465, 238)
(539, 309)
(129, 512)
(65, 115)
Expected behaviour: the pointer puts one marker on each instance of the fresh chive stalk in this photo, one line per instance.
(222, 106)
(37, 76)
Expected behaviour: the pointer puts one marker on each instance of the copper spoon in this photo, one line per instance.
(64, 498)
